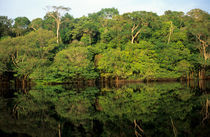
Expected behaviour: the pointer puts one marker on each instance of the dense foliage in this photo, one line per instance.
(137, 45)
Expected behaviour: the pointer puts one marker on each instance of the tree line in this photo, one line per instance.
(138, 45)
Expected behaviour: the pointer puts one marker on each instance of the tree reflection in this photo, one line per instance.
(155, 109)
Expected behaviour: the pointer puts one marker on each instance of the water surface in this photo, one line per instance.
(129, 110)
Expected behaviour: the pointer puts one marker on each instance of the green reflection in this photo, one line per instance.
(159, 109)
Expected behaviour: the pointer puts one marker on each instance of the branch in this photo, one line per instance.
(33, 28)
(170, 33)
(202, 41)
(137, 33)
(134, 27)
(14, 62)
(51, 15)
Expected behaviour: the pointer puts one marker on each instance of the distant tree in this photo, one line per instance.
(176, 17)
(115, 31)
(66, 28)
(104, 20)
(36, 24)
(139, 21)
(56, 14)
(198, 25)
(21, 25)
(5, 26)
(104, 14)
(108, 13)
(85, 30)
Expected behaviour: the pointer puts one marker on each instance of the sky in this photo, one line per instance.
(37, 8)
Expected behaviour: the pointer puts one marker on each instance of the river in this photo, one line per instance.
(158, 109)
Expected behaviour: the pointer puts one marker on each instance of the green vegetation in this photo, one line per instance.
(71, 63)
(139, 46)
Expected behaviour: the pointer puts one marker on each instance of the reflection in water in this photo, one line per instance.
(152, 109)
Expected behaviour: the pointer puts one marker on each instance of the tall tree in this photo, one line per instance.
(140, 20)
(56, 13)
(176, 17)
(198, 25)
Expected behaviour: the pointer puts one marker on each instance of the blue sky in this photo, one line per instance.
(36, 8)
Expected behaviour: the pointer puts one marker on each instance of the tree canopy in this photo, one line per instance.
(138, 45)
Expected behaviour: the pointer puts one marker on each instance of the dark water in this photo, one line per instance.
(148, 110)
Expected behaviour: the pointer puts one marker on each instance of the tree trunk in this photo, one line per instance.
(58, 27)
(170, 33)
(136, 34)
(132, 40)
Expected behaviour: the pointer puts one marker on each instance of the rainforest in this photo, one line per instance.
(136, 74)
(138, 46)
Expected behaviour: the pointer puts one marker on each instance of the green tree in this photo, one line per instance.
(139, 21)
(21, 25)
(198, 26)
(30, 52)
(66, 28)
(142, 59)
(72, 63)
(56, 14)
(36, 24)
(136, 61)
(169, 55)
(183, 67)
(5, 26)
(108, 13)
(177, 18)
(113, 63)
(86, 30)
(49, 23)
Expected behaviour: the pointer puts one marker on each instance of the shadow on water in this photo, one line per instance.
(159, 109)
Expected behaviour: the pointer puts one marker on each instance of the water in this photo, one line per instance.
(151, 110)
